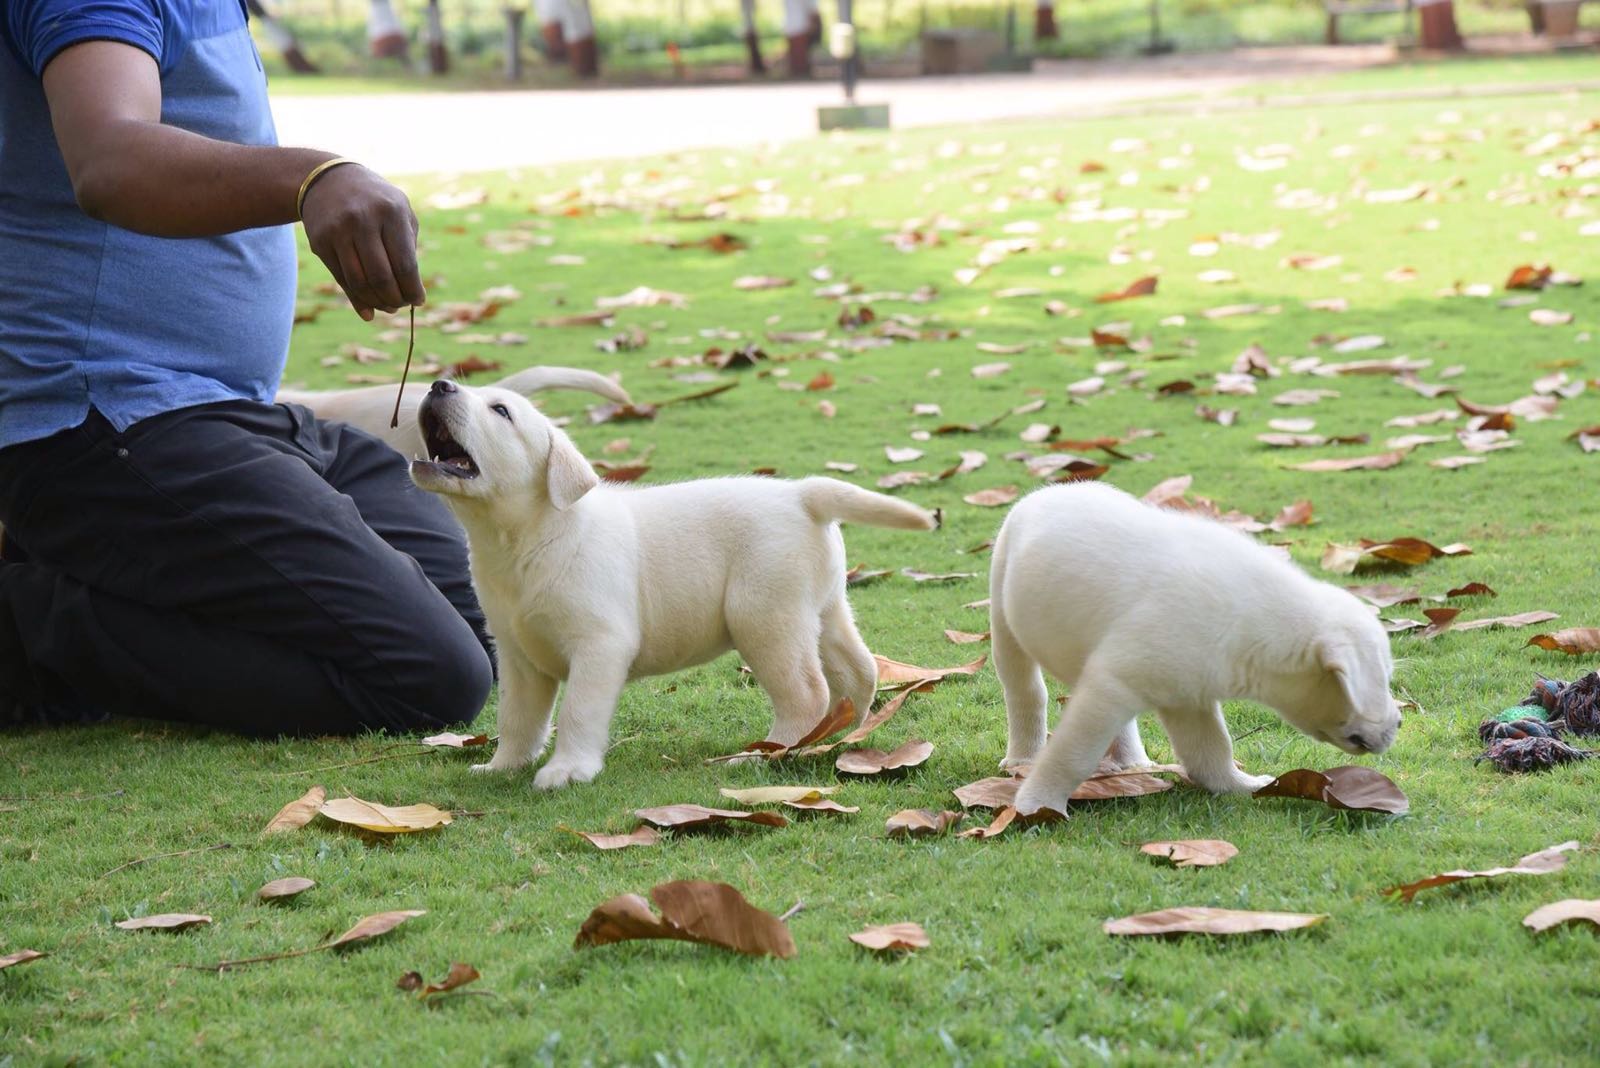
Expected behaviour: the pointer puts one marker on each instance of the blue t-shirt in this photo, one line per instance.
(92, 315)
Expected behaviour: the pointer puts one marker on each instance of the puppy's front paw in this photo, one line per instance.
(1238, 783)
(555, 775)
(1019, 765)
(1031, 797)
(497, 763)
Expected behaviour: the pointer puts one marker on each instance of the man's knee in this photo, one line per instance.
(445, 681)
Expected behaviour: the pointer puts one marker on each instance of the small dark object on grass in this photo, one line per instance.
(1578, 704)
(1491, 730)
(1516, 755)
(1544, 693)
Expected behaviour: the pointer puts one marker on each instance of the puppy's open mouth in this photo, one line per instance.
(444, 451)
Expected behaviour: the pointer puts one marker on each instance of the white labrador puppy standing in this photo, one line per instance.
(1137, 607)
(596, 584)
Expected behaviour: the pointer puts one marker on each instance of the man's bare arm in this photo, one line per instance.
(129, 170)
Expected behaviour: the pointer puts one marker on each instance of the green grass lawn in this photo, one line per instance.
(1018, 970)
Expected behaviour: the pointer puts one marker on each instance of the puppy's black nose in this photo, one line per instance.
(443, 385)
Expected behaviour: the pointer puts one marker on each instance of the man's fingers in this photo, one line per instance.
(381, 286)
(331, 262)
(401, 242)
(354, 280)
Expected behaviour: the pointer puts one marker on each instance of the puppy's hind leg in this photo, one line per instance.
(1127, 751)
(1200, 740)
(583, 729)
(1100, 707)
(526, 697)
(786, 664)
(1027, 700)
(847, 663)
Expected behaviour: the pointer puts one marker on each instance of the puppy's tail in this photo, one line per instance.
(534, 379)
(829, 500)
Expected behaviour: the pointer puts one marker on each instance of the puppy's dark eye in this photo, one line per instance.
(502, 411)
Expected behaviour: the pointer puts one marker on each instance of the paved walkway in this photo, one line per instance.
(411, 133)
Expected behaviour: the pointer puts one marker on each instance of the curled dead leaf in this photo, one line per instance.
(992, 498)
(21, 956)
(384, 819)
(450, 740)
(1193, 852)
(875, 761)
(1574, 641)
(698, 817)
(707, 913)
(921, 822)
(892, 672)
(1210, 921)
(898, 937)
(1379, 462)
(1543, 862)
(1141, 287)
(374, 926)
(166, 921)
(1350, 787)
(460, 975)
(280, 889)
(642, 835)
(772, 795)
(1572, 910)
(297, 813)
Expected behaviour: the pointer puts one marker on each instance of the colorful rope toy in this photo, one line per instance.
(1527, 737)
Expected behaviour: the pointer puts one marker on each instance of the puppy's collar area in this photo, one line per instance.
(446, 455)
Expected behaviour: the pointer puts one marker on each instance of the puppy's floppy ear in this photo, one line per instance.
(568, 475)
(1340, 661)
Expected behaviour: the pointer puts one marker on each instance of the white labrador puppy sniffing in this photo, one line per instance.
(1136, 608)
(596, 584)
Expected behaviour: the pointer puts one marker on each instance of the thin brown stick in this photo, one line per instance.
(164, 856)
(225, 965)
(794, 910)
(385, 755)
(411, 344)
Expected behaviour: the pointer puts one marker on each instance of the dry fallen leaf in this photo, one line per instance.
(822, 804)
(1521, 619)
(902, 937)
(992, 498)
(1385, 595)
(876, 761)
(1409, 552)
(1541, 863)
(1572, 910)
(369, 927)
(166, 921)
(1193, 852)
(1142, 287)
(1574, 641)
(460, 975)
(901, 455)
(891, 672)
(921, 822)
(297, 813)
(965, 637)
(642, 835)
(21, 956)
(990, 370)
(1350, 786)
(761, 281)
(713, 914)
(772, 795)
(384, 819)
(698, 817)
(278, 889)
(449, 740)
(1210, 921)
(1379, 462)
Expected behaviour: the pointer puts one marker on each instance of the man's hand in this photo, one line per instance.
(364, 231)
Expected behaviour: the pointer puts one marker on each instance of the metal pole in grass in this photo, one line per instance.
(849, 115)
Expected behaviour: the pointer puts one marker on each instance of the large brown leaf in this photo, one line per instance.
(1574, 641)
(1572, 910)
(891, 672)
(1541, 863)
(698, 817)
(1008, 817)
(21, 956)
(370, 927)
(1000, 791)
(713, 914)
(876, 761)
(772, 795)
(1193, 852)
(1350, 786)
(1141, 287)
(384, 819)
(166, 921)
(1210, 921)
(921, 822)
(899, 937)
(297, 813)
(642, 835)
(1409, 552)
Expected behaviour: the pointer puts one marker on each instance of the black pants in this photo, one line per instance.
(239, 565)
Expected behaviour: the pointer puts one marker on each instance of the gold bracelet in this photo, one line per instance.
(305, 186)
